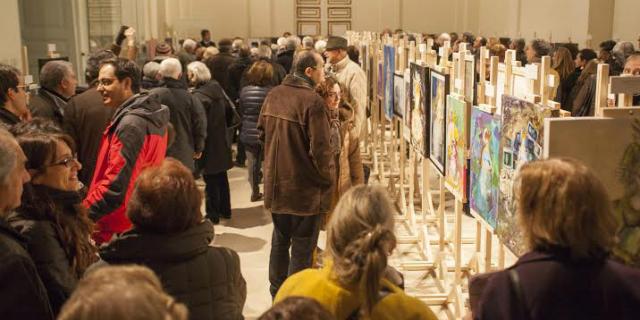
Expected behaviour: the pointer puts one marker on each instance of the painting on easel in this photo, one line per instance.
(521, 141)
(389, 70)
(469, 80)
(485, 165)
(439, 89)
(456, 145)
(418, 116)
(611, 148)
(407, 105)
(398, 95)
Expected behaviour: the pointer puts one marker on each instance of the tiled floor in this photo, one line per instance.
(249, 233)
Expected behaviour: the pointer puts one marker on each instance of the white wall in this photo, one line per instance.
(626, 25)
(10, 26)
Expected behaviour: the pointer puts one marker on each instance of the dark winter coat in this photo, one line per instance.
(22, 294)
(85, 119)
(236, 71)
(298, 159)
(44, 243)
(49, 105)
(187, 118)
(285, 59)
(553, 286)
(135, 139)
(216, 157)
(251, 99)
(219, 67)
(206, 278)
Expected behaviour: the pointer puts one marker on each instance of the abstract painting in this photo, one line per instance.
(398, 95)
(456, 143)
(418, 93)
(389, 69)
(521, 141)
(484, 165)
(616, 162)
(439, 89)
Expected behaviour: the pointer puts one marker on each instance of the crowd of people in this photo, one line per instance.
(100, 211)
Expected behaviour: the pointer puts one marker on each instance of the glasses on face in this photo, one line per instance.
(105, 82)
(68, 162)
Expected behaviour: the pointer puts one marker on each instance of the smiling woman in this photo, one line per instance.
(51, 217)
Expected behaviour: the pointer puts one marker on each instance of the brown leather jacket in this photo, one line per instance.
(298, 161)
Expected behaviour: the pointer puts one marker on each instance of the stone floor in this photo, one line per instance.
(249, 233)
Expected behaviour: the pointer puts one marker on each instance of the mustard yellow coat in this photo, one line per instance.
(318, 284)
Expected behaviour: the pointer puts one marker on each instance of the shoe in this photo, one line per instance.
(215, 220)
(239, 164)
(226, 217)
(255, 197)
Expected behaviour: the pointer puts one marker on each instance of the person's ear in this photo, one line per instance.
(127, 84)
(308, 71)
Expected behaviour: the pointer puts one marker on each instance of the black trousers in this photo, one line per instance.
(218, 199)
(254, 155)
(298, 233)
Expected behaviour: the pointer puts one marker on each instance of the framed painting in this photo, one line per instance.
(522, 137)
(398, 95)
(456, 119)
(417, 109)
(439, 89)
(469, 79)
(389, 70)
(406, 132)
(380, 79)
(484, 168)
(616, 162)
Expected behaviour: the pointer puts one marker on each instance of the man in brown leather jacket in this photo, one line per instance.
(298, 166)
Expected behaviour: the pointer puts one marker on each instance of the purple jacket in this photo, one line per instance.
(553, 286)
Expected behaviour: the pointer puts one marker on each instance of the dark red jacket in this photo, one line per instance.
(553, 286)
(135, 139)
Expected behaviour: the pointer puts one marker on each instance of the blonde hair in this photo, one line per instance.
(564, 64)
(210, 52)
(360, 236)
(560, 202)
(122, 292)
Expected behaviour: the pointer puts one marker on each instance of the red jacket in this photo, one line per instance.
(135, 139)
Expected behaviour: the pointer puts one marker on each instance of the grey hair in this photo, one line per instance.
(8, 156)
(189, 44)
(292, 43)
(210, 52)
(625, 47)
(53, 72)
(321, 45)
(150, 69)
(198, 72)
(237, 44)
(265, 52)
(307, 42)
(170, 68)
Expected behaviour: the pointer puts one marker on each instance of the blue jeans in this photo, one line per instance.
(300, 233)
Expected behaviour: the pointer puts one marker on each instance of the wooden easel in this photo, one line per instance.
(609, 88)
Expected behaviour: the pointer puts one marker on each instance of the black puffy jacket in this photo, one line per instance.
(251, 99)
(205, 278)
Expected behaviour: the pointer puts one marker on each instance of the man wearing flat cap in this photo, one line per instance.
(350, 76)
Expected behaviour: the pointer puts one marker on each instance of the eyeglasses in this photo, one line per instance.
(105, 82)
(67, 162)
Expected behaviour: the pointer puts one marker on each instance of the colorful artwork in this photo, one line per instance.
(389, 69)
(398, 95)
(615, 161)
(521, 141)
(437, 126)
(485, 165)
(456, 143)
(419, 137)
